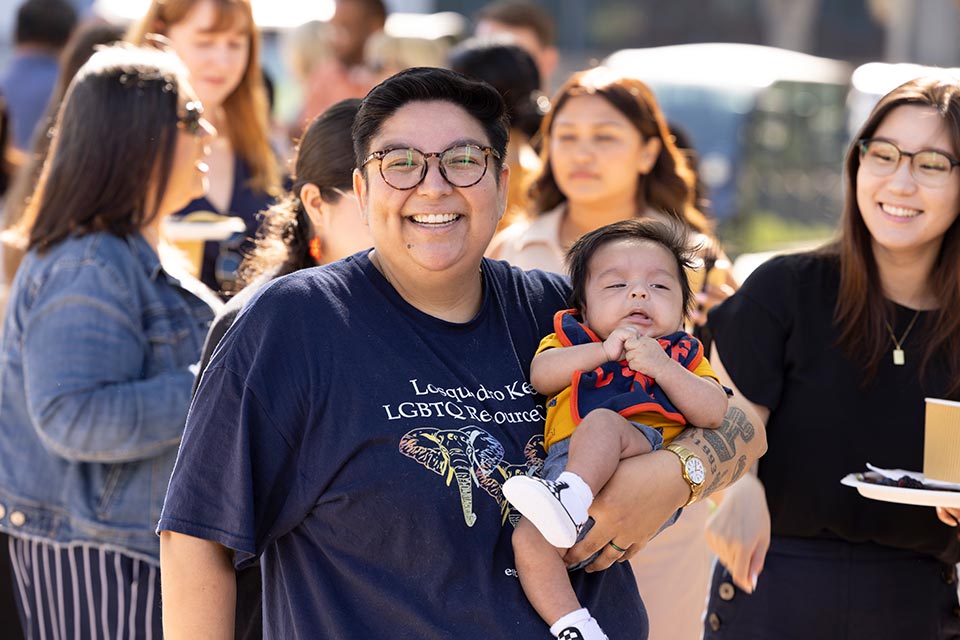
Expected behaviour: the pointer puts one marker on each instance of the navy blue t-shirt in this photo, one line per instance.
(359, 447)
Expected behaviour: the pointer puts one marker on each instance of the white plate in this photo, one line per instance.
(190, 231)
(903, 495)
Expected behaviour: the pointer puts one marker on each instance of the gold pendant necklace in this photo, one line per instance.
(898, 357)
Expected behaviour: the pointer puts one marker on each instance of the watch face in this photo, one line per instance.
(695, 470)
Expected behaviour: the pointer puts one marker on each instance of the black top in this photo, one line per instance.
(777, 340)
(224, 320)
(221, 260)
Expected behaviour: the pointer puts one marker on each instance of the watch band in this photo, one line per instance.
(696, 488)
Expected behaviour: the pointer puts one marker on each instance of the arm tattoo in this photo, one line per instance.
(719, 480)
(724, 439)
(720, 446)
(741, 467)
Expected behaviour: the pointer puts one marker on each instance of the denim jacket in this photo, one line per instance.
(95, 379)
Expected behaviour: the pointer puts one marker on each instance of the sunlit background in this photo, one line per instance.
(770, 103)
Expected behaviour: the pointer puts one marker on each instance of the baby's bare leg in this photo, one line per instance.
(601, 440)
(543, 574)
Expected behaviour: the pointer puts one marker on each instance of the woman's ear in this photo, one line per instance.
(649, 152)
(313, 205)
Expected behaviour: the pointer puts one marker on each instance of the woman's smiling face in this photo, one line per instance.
(903, 216)
(434, 226)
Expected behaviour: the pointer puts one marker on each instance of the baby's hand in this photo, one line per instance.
(613, 346)
(646, 356)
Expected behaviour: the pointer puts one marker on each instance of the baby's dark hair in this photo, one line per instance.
(673, 238)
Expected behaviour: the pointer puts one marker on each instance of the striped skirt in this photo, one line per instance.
(84, 592)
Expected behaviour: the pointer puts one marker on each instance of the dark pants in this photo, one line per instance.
(249, 618)
(84, 592)
(835, 590)
(9, 618)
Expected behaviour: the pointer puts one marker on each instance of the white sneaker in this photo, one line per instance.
(551, 506)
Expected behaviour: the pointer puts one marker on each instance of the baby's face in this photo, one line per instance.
(636, 284)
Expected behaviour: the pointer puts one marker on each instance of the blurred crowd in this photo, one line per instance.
(150, 193)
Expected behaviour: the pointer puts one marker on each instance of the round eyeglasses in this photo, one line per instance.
(928, 167)
(462, 165)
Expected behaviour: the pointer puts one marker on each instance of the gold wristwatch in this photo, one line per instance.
(693, 471)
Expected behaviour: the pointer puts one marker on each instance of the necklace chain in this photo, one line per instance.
(898, 355)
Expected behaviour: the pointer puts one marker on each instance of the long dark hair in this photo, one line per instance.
(112, 148)
(324, 158)
(861, 307)
(668, 187)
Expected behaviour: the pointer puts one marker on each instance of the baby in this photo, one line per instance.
(623, 380)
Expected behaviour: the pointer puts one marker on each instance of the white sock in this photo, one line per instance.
(582, 621)
(572, 619)
(579, 488)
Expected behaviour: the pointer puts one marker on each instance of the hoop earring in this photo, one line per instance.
(316, 252)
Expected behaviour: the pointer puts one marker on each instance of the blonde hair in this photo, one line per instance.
(394, 53)
(246, 108)
(308, 45)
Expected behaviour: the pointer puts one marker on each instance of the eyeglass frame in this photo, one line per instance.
(863, 143)
(190, 120)
(379, 155)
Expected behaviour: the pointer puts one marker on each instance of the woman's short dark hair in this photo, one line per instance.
(672, 237)
(509, 69)
(112, 147)
(46, 22)
(429, 84)
(324, 159)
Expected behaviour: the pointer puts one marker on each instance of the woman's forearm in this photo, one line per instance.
(199, 588)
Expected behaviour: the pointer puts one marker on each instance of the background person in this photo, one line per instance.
(81, 45)
(385, 55)
(353, 22)
(513, 72)
(608, 156)
(421, 311)
(527, 25)
(42, 28)
(827, 325)
(220, 46)
(316, 223)
(97, 346)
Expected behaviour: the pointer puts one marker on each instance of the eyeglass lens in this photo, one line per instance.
(882, 158)
(461, 166)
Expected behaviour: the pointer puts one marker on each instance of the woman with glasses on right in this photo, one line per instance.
(837, 349)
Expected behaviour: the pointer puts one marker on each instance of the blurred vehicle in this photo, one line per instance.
(873, 80)
(769, 127)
